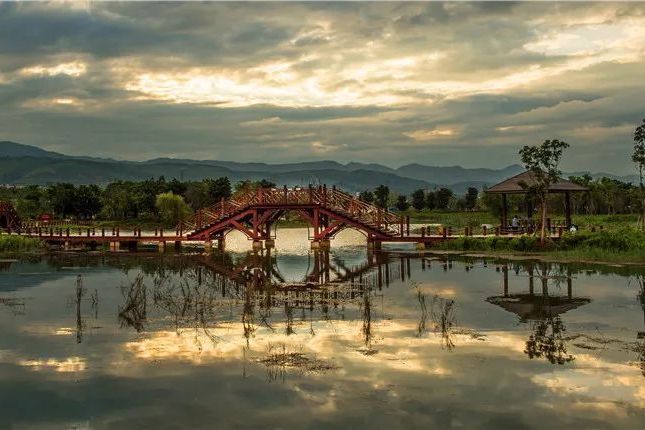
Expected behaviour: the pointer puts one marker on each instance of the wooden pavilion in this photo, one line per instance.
(514, 185)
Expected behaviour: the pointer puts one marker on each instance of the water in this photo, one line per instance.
(396, 339)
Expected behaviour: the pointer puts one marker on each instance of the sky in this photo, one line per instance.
(392, 83)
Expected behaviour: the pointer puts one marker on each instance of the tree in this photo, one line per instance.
(470, 198)
(543, 162)
(431, 200)
(63, 198)
(402, 203)
(172, 208)
(88, 201)
(197, 195)
(366, 196)
(381, 195)
(443, 196)
(418, 199)
(638, 157)
(218, 189)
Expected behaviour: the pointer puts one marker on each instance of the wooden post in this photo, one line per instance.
(567, 208)
(423, 232)
(407, 225)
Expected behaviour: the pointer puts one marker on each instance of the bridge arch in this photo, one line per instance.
(328, 211)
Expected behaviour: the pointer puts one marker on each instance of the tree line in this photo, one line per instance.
(441, 199)
(152, 199)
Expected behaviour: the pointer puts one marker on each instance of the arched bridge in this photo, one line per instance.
(327, 210)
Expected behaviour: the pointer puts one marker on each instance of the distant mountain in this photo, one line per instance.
(24, 164)
(13, 149)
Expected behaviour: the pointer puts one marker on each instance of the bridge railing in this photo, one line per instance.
(330, 198)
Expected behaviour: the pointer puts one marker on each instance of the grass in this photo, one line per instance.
(11, 243)
(618, 245)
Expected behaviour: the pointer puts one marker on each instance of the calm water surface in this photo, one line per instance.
(397, 339)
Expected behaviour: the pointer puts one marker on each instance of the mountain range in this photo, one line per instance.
(24, 164)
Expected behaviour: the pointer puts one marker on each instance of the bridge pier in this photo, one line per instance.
(161, 246)
(115, 246)
(208, 246)
(374, 245)
(178, 245)
(221, 244)
(322, 244)
(269, 243)
(421, 246)
(257, 245)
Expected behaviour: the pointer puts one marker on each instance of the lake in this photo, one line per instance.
(339, 339)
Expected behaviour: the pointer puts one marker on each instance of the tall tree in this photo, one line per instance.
(381, 195)
(638, 157)
(470, 198)
(418, 199)
(442, 198)
(543, 162)
(218, 189)
(431, 200)
(402, 203)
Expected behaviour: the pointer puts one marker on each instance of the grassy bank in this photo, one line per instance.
(476, 219)
(11, 244)
(621, 245)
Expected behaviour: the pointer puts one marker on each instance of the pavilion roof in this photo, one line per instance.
(513, 185)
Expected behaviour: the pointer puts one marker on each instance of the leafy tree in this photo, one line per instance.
(431, 200)
(63, 198)
(266, 184)
(638, 157)
(172, 208)
(470, 198)
(219, 189)
(197, 195)
(418, 199)
(402, 203)
(88, 201)
(381, 195)
(543, 162)
(177, 187)
(366, 196)
(442, 198)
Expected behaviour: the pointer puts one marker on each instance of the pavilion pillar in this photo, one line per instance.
(504, 219)
(567, 208)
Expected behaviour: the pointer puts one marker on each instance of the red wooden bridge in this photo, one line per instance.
(327, 210)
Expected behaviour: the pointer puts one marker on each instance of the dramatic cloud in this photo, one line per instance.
(437, 83)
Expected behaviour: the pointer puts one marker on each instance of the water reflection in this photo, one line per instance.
(394, 333)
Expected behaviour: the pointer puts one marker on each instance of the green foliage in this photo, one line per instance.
(543, 162)
(12, 243)
(431, 200)
(366, 196)
(418, 199)
(381, 195)
(172, 208)
(402, 203)
(619, 241)
(442, 198)
(470, 199)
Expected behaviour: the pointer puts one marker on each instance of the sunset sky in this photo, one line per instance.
(392, 83)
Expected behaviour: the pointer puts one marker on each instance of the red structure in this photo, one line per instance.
(9, 219)
(328, 211)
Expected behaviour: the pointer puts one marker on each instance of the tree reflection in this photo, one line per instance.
(547, 340)
(134, 310)
(442, 312)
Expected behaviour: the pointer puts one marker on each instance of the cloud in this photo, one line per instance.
(366, 81)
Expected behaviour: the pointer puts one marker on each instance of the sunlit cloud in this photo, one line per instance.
(435, 133)
(74, 69)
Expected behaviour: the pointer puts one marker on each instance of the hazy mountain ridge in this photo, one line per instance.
(25, 164)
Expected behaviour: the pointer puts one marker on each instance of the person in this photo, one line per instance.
(515, 223)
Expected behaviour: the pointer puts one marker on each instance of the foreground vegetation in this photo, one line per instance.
(18, 244)
(620, 245)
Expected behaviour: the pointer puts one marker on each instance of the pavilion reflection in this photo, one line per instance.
(542, 311)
